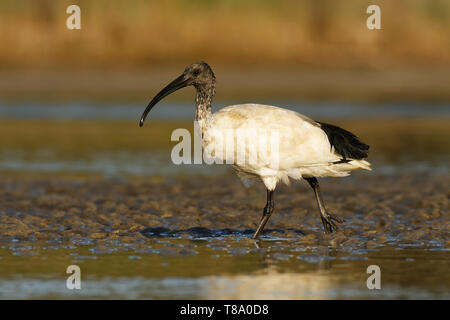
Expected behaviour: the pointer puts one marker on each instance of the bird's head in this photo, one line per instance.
(198, 74)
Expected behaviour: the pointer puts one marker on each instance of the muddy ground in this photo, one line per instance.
(48, 211)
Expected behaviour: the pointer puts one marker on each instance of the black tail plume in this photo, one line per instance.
(344, 142)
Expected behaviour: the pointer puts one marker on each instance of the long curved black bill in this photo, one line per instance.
(176, 84)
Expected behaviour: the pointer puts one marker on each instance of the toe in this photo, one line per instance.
(330, 222)
(336, 218)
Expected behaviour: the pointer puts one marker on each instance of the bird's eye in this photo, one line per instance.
(196, 72)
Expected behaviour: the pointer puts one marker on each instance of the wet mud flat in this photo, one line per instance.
(198, 228)
(378, 210)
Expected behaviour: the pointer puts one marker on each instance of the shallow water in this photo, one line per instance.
(118, 148)
(88, 110)
(226, 269)
(82, 184)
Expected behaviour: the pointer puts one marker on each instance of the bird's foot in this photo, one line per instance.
(330, 222)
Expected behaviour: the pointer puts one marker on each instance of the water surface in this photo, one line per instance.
(83, 184)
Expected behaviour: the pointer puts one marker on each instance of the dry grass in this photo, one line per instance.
(131, 34)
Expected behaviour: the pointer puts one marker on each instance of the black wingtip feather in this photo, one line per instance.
(344, 142)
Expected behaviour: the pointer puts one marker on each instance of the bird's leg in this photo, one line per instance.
(329, 220)
(268, 209)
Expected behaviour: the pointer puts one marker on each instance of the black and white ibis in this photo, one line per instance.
(306, 149)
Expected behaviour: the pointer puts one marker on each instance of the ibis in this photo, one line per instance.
(306, 149)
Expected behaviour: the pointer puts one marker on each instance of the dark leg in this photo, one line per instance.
(329, 220)
(268, 209)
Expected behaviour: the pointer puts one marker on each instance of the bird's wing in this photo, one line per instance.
(296, 139)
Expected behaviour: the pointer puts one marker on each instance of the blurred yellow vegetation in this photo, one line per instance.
(138, 33)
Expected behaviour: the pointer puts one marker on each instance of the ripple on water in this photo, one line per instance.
(314, 258)
(205, 233)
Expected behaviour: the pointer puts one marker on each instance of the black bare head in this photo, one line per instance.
(198, 74)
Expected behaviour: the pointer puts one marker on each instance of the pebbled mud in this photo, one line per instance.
(112, 214)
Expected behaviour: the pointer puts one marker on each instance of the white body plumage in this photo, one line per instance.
(303, 147)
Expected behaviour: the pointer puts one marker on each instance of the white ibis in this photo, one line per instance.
(307, 149)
